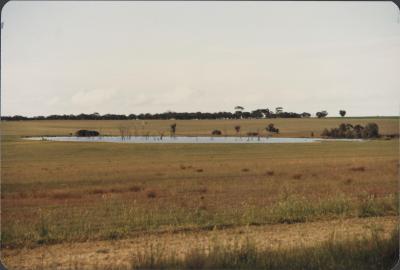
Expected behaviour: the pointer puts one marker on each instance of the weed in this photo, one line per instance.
(297, 176)
(270, 173)
(98, 191)
(135, 188)
(66, 195)
(358, 169)
(151, 194)
(348, 181)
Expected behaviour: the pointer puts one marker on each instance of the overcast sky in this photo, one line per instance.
(133, 57)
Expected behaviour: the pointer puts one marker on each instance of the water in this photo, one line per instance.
(185, 139)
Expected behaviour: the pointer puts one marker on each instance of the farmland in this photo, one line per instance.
(120, 197)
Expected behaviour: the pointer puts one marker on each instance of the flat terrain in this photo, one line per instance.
(87, 195)
(288, 127)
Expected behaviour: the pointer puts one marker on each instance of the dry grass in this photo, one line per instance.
(297, 176)
(103, 254)
(92, 178)
(57, 192)
(287, 127)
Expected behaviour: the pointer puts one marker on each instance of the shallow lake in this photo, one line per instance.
(185, 139)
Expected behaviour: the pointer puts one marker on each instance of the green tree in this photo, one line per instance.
(321, 114)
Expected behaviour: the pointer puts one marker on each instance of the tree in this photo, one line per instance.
(173, 129)
(278, 110)
(238, 114)
(257, 114)
(266, 112)
(239, 108)
(342, 113)
(321, 114)
(371, 130)
(124, 132)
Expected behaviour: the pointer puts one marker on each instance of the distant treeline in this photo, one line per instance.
(256, 114)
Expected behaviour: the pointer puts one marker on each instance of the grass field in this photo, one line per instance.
(288, 127)
(69, 193)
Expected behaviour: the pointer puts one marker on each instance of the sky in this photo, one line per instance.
(139, 57)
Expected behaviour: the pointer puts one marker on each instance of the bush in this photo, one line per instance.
(86, 133)
(271, 128)
(216, 132)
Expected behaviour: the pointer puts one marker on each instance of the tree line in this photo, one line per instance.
(239, 113)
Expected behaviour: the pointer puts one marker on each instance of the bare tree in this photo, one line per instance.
(122, 132)
(161, 135)
(125, 132)
(173, 129)
(147, 135)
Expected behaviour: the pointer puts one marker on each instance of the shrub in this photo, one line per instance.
(86, 133)
(271, 128)
(135, 188)
(151, 194)
(297, 176)
(216, 132)
(270, 173)
(358, 169)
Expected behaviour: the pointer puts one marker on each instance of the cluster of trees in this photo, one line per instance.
(239, 113)
(349, 131)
